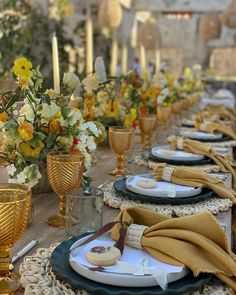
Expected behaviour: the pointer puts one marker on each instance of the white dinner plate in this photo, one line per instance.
(166, 153)
(128, 272)
(163, 189)
(200, 135)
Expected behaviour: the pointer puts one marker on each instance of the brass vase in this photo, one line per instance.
(15, 205)
(120, 140)
(147, 125)
(65, 171)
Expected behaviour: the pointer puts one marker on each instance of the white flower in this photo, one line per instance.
(20, 178)
(49, 111)
(27, 113)
(71, 80)
(90, 84)
(11, 169)
(92, 127)
(91, 144)
(162, 96)
(100, 70)
(71, 120)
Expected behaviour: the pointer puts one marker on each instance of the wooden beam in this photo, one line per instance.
(180, 5)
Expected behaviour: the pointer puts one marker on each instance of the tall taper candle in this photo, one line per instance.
(158, 60)
(89, 41)
(114, 54)
(124, 59)
(55, 60)
(143, 62)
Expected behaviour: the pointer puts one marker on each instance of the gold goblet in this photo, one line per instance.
(65, 171)
(163, 114)
(176, 108)
(120, 140)
(15, 205)
(147, 125)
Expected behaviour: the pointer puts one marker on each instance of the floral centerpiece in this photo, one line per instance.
(109, 101)
(44, 121)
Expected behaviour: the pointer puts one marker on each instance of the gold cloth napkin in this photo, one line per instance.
(224, 112)
(197, 241)
(200, 148)
(195, 178)
(212, 127)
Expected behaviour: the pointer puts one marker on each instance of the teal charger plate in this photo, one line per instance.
(121, 190)
(61, 268)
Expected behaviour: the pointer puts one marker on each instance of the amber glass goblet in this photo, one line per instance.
(163, 114)
(176, 108)
(15, 205)
(147, 125)
(120, 140)
(65, 171)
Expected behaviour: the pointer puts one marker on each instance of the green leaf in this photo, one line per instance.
(65, 112)
(39, 135)
(34, 142)
(50, 140)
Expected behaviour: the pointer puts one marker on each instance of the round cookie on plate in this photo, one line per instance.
(103, 255)
(146, 183)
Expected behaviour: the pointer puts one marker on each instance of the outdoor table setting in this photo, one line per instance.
(176, 189)
(115, 184)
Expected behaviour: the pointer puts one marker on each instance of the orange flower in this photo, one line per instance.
(3, 117)
(54, 126)
(26, 131)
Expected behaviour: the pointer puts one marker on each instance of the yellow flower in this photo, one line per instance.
(27, 150)
(130, 118)
(3, 117)
(54, 126)
(112, 108)
(26, 131)
(22, 68)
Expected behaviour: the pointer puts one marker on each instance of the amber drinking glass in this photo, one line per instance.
(163, 114)
(65, 171)
(15, 205)
(147, 125)
(120, 140)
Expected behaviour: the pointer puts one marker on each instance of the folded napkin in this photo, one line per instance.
(195, 178)
(223, 112)
(200, 148)
(212, 127)
(197, 241)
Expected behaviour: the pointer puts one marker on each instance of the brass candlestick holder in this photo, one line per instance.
(15, 205)
(147, 125)
(120, 140)
(65, 171)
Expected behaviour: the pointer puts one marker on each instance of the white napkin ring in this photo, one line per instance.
(180, 143)
(134, 235)
(203, 126)
(167, 173)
